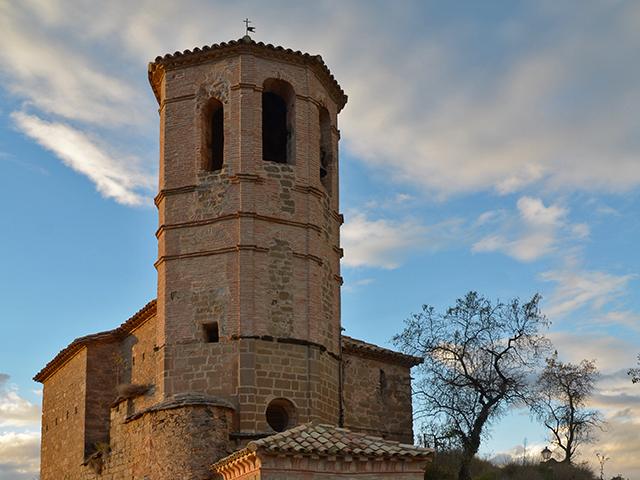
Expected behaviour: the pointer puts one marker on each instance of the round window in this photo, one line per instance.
(280, 414)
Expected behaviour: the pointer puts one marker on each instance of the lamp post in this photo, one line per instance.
(546, 454)
(602, 459)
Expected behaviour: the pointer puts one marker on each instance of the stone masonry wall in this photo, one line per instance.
(63, 421)
(178, 442)
(305, 375)
(377, 397)
(138, 356)
(101, 392)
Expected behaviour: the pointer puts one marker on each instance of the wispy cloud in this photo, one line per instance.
(578, 288)
(16, 411)
(539, 115)
(379, 242)
(539, 118)
(532, 234)
(55, 74)
(120, 178)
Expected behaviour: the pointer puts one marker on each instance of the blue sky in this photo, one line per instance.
(492, 146)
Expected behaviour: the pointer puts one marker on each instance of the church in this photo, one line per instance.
(239, 369)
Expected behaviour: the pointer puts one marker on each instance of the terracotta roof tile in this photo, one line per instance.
(327, 440)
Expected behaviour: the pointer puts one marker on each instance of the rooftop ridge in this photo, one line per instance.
(326, 441)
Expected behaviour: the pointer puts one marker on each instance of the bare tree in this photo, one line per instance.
(563, 392)
(478, 357)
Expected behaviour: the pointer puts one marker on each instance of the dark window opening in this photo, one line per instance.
(211, 333)
(277, 418)
(383, 381)
(277, 121)
(213, 135)
(274, 128)
(280, 414)
(325, 146)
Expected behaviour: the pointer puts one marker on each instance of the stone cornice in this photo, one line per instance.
(181, 401)
(235, 216)
(237, 248)
(245, 45)
(252, 178)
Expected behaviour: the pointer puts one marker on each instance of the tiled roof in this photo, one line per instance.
(110, 335)
(327, 441)
(358, 347)
(247, 44)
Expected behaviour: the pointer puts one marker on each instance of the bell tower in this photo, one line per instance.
(248, 240)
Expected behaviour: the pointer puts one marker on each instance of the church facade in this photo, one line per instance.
(243, 344)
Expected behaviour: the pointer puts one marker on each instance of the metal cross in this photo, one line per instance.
(246, 21)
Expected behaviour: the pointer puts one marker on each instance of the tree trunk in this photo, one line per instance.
(465, 464)
(465, 472)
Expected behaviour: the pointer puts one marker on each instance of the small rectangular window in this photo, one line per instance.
(211, 333)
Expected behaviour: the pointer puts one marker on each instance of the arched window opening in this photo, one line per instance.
(277, 121)
(281, 414)
(325, 147)
(213, 135)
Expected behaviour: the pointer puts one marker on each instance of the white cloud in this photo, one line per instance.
(380, 242)
(558, 113)
(577, 289)
(610, 353)
(355, 285)
(19, 434)
(535, 214)
(533, 234)
(541, 116)
(119, 178)
(16, 411)
(54, 73)
(19, 455)
(387, 242)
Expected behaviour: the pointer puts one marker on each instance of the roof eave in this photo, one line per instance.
(107, 336)
(244, 45)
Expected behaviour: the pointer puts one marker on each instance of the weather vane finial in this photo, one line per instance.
(248, 28)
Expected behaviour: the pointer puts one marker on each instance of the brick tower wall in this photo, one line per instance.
(253, 247)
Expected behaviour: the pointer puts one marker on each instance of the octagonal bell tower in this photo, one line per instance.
(248, 238)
